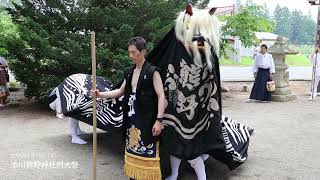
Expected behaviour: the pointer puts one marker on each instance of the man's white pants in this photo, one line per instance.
(315, 85)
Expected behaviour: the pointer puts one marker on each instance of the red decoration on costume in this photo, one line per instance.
(189, 9)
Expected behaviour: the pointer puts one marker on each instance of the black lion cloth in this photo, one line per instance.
(193, 121)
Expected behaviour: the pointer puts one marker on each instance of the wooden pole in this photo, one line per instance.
(94, 105)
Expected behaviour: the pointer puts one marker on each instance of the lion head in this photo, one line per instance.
(199, 31)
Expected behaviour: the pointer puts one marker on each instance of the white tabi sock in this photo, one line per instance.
(59, 115)
(73, 124)
(175, 163)
(199, 168)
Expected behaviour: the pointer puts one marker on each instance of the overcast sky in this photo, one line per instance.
(302, 5)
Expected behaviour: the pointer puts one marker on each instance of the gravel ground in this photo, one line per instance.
(36, 145)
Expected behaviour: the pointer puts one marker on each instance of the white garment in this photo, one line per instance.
(264, 61)
(75, 131)
(56, 104)
(175, 163)
(198, 165)
(315, 60)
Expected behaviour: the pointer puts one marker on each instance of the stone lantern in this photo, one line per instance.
(279, 51)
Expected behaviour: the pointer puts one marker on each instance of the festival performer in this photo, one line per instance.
(194, 125)
(143, 108)
(74, 126)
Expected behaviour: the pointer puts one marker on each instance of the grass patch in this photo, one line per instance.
(291, 60)
(297, 60)
(245, 61)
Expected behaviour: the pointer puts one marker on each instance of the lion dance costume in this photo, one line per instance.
(194, 125)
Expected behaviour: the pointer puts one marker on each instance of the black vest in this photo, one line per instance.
(146, 99)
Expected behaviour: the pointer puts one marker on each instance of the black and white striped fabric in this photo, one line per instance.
(236, 137)
(74, 97)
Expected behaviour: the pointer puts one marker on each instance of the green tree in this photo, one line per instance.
(303, 28)
(55, 37)
(311, 28)
(283, 22)
(8, 31)
(244, 25)
(297, 27)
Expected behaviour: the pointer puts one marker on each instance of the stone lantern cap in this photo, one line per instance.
(281, 47)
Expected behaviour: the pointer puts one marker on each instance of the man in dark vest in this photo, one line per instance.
(143, 109)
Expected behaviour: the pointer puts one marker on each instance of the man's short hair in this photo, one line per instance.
(264, 45)
(138, 42)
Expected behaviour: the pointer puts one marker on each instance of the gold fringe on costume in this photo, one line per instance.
(142, 168)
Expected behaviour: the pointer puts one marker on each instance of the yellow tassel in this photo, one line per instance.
(149, 170)
(142, 174)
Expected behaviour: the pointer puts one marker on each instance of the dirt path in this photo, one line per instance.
(285, 145)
